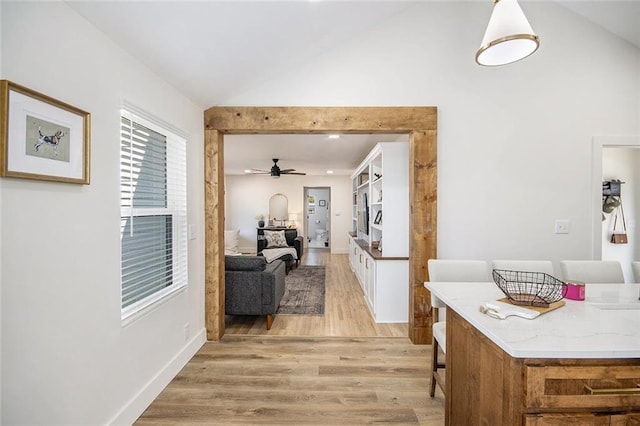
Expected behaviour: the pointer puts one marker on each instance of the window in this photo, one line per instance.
(153, 217)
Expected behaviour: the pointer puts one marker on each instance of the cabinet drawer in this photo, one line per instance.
(559, 419)
(605, 387)
(582, 419)
(628, 419)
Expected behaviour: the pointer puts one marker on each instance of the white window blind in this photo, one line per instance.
(153, 203)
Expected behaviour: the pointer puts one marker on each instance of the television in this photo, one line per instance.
(363, 215)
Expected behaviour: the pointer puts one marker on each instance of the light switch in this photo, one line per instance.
(562, 226)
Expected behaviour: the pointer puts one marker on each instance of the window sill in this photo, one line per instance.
(131, 315)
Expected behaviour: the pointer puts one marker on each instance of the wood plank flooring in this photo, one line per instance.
(346, 312)
(338, 369)
(281, 380)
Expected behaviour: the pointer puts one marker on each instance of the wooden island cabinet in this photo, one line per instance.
(579, 365)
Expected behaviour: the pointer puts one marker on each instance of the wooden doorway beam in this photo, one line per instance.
(420, 123)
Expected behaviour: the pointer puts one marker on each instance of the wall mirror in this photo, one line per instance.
(278, 209)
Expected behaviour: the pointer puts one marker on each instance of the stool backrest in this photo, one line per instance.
(635, 266)
(545, 266)
(592, 271)
(452, 270)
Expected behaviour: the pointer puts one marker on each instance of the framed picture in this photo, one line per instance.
(322, 203)
(42, 138)
(378, 219)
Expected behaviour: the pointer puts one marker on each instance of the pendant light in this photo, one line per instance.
(508, 37)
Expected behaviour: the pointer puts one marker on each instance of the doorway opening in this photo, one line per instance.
(617, 158)
(420, 123)
(317, 216)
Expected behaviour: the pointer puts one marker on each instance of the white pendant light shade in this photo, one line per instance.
(508, 37)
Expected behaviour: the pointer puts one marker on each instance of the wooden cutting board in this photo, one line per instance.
(552, 307)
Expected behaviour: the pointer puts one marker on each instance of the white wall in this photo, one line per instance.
(634, 221)
(246, 196)
(66, 357)
(514, 142)
(1, 221)
(622, 164)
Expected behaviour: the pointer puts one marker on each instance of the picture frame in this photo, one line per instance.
(322, 203)
(42, 138)
(378, 219)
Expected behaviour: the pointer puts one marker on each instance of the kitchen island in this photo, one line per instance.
(579, 364)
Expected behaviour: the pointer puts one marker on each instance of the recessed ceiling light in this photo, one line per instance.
(329, 172)
(247, 171)
(334, 136)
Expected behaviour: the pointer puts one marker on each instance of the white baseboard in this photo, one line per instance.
(136, 406)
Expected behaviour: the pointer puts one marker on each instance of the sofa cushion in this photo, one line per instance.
(275, 239)
(244, 263)
(231, 240)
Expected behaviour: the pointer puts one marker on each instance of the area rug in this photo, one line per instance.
(304, 291)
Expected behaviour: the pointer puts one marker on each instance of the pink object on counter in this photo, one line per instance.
(575, 290)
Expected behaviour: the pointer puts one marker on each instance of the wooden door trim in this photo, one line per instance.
(420, 123)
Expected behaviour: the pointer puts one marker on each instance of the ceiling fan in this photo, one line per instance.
(276, 171)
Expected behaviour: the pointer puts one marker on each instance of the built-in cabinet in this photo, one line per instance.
(384, 281)
(379, 241)
(589, 419)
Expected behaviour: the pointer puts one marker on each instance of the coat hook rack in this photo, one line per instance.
(611, 195)
(611, 188)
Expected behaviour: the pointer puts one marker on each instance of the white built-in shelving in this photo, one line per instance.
(381, 198)
(381, 219)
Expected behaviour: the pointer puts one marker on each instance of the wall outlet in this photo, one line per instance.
(187, 332)
(562, 226)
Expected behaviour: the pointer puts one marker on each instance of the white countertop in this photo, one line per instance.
(580, 329)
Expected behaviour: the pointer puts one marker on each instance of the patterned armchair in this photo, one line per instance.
(293, 240)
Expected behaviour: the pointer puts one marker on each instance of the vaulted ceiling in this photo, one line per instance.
(211, 50)
(214, 50)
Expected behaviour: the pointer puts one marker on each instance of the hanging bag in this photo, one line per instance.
(619, 237)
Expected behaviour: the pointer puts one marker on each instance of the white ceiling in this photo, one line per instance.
(310, 154)
(212, 50)
(622, 18)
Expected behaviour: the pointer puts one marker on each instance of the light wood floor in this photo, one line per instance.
(346, 312)
(338, 369)
(282, 380)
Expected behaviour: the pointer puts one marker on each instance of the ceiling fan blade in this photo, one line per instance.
(276, 171)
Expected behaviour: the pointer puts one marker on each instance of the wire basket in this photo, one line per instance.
(529, 288)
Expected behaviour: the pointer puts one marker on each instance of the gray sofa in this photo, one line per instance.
(253, 286)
